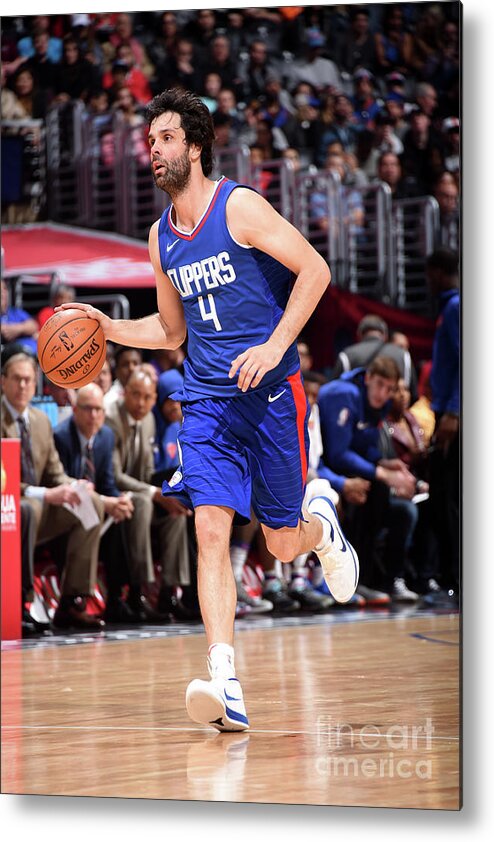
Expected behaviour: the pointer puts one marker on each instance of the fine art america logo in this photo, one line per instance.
(81, 363)
(369, 751)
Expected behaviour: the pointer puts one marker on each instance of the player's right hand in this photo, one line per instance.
(90, 311)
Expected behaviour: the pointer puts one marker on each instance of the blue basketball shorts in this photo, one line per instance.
(247, 451)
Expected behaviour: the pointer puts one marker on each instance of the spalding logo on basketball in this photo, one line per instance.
(71, 348)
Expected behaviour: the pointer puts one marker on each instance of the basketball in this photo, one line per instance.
(71, 348)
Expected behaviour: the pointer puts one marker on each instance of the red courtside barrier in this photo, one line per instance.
(11, 540)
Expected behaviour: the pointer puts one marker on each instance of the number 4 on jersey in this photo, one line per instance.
(212, 315)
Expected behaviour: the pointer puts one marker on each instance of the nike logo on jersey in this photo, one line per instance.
(272, 398)
(170, 246)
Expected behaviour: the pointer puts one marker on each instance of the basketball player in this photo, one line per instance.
(223, 259)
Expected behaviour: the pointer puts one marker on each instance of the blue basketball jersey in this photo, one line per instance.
(233, 297)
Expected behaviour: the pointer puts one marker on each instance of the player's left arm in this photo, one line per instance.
(252, 221)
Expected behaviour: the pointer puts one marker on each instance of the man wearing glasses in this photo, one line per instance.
(45, 489)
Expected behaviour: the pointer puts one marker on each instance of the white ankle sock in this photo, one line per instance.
(221, 660)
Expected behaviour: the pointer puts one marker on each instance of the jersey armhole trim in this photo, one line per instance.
(240, 245)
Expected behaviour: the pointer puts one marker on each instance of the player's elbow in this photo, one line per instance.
(175, 340)
(325, 274)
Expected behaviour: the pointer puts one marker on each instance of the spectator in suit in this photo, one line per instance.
(85, 445)
(45, 488)
(133, 424)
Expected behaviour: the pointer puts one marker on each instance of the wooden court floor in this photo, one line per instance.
(346, 711)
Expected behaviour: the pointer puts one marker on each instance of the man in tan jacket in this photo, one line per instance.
(45, 488)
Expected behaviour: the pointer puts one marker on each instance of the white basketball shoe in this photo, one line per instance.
(339, 561)
(218, 702)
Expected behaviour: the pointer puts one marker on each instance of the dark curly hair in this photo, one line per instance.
(195, 120)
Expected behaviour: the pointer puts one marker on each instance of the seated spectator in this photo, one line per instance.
(45, 488)
(301, 131)
(426, 41)
(394, 106)
(33, 100)
(164, 43)
(227, 104)
(211, 87)
(62, 294)
(220, 61)
(384, 140)
(366, 106)
(253, 74)
(342, 129)
(180, 69)
(270, 139)
(126, 105)
(389, 171)
(394, 46)
(16, 325)
(200, 31)
(354, 175)
(25, 46)
(236, 30)
(426, 99)
(124, 35)
(126, 361)
(133, 424)
(372, 335)
(446, 194)
(351, 409)
(264, 23)
(12, 108)
(75, 76)
(276, 99)
(351, 202)
(223, 130)
(44, 70)
(405, 439)
(422, 158)
(313, 68)
(126, 73)
(357, 48)
(85, 446)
